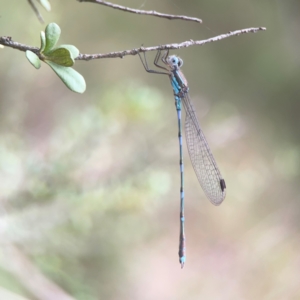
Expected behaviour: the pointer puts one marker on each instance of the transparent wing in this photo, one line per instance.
(202, 159)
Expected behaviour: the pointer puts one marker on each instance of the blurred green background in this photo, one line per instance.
(89, 184)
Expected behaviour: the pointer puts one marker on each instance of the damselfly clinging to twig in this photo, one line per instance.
(202, 159)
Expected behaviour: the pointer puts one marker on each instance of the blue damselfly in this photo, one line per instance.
(204, 164)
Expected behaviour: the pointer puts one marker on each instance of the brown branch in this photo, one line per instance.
(189, 43)
(7, 41)
(143, 12)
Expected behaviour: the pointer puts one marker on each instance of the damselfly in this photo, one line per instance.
(202, 159)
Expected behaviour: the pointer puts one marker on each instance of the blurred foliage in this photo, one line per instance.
(89, 184)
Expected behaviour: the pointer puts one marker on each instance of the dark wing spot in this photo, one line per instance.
(222, 184)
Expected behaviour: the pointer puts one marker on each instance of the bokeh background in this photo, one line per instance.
(89, 184)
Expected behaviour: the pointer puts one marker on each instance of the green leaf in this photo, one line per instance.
(33, 59)
(43, 41)
(71, 78)
(61, 56)
(74, 51)
(52, 35)
(45, 4)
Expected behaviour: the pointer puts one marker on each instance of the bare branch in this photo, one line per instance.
(143, 12)
(7, 41)
(36, 11)
(189, 43)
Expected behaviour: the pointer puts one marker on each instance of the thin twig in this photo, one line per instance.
(143, 12)
(189, 43)
(7, 41)
(36, 11)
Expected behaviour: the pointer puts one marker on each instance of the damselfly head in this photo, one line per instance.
(174, 61)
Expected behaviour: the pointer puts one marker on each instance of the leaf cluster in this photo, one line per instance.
(59, 58)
